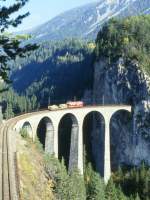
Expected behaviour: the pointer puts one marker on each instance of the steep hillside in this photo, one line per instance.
(34, 181)
(48, 71)
(85, 21)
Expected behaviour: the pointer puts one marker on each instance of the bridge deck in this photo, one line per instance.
(79, 108)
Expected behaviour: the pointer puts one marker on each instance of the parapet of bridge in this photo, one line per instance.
(52, 120)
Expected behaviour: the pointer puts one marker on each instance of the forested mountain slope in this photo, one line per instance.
(56, 72)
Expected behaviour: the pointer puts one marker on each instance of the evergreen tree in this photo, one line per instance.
(10, 45)
(134, 181)
(66, 186)
(137, 197)
(76, 186)
(62, 182)
(9, 111)
(120, 194)
(95, 189)
(111, 192)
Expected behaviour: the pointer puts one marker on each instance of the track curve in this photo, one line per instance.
(8, 190)
(9, 186)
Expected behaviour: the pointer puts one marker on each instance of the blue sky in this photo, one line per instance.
(44, 10)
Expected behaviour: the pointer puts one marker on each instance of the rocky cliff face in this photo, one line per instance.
(125, 83)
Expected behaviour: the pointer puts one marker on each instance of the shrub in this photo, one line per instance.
(24, 133)
(39, 146)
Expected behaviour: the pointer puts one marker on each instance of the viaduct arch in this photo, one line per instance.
(119, 144)
(27, 127)
(93, 141)
(45, 134)
(68, 140)
(53, 123)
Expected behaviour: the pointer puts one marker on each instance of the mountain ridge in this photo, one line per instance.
(85, 21)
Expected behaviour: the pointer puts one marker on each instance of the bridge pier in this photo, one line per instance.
(80, 148)
(73, 157)
(107, 166)
(76, 154)
(49, 140)
(1, 114)
(34, 133)
(56, 124)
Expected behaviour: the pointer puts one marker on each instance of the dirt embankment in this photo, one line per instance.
(34, 183)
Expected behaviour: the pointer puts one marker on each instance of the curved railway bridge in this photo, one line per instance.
(49, 122)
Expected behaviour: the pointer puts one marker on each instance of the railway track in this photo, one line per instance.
(9, 186)
(5, 185)
(8, 190)
(5, 165)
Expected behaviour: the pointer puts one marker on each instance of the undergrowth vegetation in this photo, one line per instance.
(131, 184)
(34, 183)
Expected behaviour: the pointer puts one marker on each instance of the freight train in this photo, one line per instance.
(69, 104)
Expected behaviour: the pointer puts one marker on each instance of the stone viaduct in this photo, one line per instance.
(52, 119)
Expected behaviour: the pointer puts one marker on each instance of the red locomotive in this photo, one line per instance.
(75, 104)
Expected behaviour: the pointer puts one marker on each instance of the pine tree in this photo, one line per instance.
(76, 186)
(137, 197)
(120, 194)
(58, 173)
(61, 182)
(9, 111)
(10, 45)
(120, 173)
(146, 188)
(111, 192)
(95, 188)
